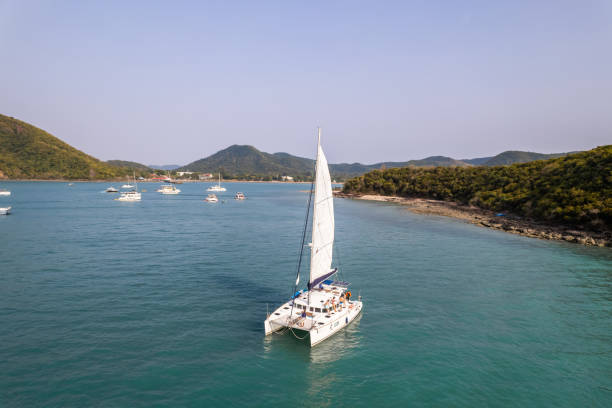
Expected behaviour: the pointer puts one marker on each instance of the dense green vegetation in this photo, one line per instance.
(575, 189)
(27, 152)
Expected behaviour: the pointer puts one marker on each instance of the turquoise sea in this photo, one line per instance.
(162, 302)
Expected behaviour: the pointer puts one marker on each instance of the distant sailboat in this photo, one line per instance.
(325, 307)
(217, 187)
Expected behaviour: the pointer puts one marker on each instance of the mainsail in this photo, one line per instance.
(322, 222)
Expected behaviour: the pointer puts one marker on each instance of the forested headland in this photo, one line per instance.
(572, 190)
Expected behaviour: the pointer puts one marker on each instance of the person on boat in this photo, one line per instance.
(341, 301)
(348, 295)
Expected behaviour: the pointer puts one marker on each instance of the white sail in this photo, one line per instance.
(322, 221)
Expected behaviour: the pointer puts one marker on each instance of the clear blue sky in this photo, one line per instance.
(171, 82)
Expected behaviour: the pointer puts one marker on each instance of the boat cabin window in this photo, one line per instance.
(318, 309)
(311, 308)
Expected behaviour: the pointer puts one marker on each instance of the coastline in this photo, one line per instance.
(489, 219)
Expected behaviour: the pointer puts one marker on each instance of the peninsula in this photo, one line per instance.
(567, 198)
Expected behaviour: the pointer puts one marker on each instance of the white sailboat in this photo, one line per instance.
(4, 192)
(217, 187)
(325, 307)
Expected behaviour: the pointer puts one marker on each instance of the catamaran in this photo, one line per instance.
(325, 307)
(168, 189)
(217, 187)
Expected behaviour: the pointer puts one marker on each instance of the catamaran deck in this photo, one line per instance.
(321, 315)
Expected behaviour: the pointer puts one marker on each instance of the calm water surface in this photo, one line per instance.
(162, 303)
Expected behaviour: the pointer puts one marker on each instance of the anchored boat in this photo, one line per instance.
(218, 187)
(168, 189)
(326, 306)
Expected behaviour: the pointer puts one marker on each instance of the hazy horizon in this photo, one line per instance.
(174, 83)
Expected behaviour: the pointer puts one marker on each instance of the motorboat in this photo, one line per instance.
(5, 193)
(168, 189)
(212, 198)
(325, 306)
(239, 196)
(129, 196)
(112, 189)
(126, 186)
(218, 187)
(5, 210)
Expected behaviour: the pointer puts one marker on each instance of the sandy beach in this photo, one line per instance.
(489, 219)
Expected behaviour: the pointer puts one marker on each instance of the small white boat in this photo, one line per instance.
(70, 184)
(212, 198)
(218, 187)
(325, 307)
(112, 189)
(5, 193)
(239, 196)
(129, 196)
(168, 189)
(5, 210)
(126, 186)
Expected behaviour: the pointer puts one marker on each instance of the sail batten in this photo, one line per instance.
(322, 220)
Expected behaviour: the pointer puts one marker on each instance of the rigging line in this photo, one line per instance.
(302, 245)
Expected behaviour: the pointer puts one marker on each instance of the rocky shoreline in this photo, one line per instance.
(489, 219)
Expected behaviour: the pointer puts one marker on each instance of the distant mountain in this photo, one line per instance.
(129, 164)
(350, 170)
(164, 166)
(242, 160)
(478, 161)
(28, 152)
(514, 156)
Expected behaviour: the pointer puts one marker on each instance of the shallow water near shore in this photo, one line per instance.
(162, 302)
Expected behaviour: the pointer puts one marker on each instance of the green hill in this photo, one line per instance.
(28, 152)
(242, 161)
(514, 156)
(575, 189)
(129, 165)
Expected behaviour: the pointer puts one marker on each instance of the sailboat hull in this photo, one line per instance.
(312, 329)
(318, 334)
